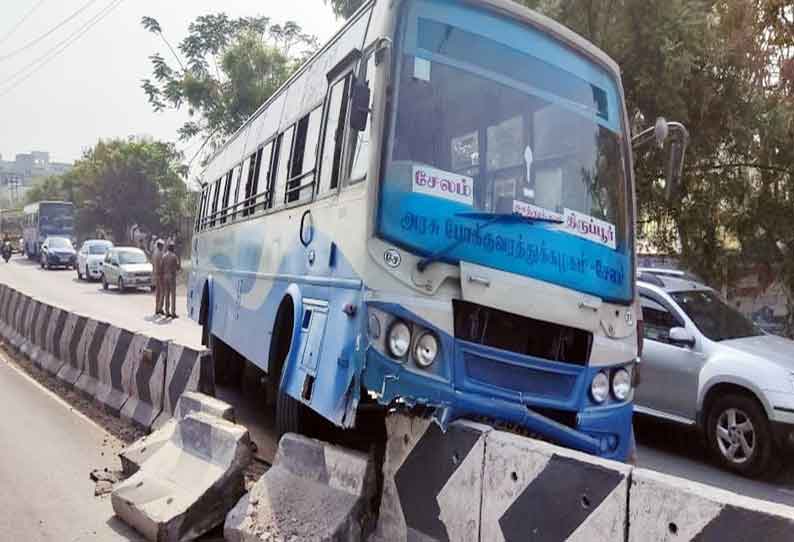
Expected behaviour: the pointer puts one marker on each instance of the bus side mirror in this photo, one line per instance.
(678, 137)
(359, 105)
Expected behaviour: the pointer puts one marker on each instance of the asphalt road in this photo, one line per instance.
(47, 453)
(663, 447)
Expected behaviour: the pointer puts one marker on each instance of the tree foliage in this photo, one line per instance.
(223, 70)
(345, 8)
(119, 183)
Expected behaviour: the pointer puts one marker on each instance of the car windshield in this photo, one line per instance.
(59, 242)
(98, 248)
(131, 257)
(549, 144)
(715, 319)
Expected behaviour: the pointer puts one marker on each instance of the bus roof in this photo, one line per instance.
(33, 207)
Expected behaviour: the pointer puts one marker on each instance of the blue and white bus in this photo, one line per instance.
(43, 219)
(436, 212)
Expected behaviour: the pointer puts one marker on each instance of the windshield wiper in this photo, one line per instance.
(489, 219)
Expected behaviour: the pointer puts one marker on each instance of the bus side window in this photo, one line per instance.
(242, 174)
(360, 150)
(205, 206)
(281, 166)
(253, 171)
(304, 157)
(336, 113)
(215, 199)
(227, 185)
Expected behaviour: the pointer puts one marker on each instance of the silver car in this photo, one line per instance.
(704, 364)
(126, 267)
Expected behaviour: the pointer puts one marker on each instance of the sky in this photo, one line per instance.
(92, 89)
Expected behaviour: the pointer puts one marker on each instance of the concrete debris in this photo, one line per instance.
(104, 480)
(136, 453)
(188, 485)
(314, 491)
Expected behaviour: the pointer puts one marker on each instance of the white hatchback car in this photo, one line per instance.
(90, 257)
(706, 365)
(126, 267)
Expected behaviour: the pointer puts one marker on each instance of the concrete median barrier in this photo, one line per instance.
(314, 491)
(29, 345)
(51, 360)
(432, 481)
(139, 451)
(68, 348)
(666, 508)
(186, 370)
(38, 351)
(186, 487)
(533, 490)
(146, 384)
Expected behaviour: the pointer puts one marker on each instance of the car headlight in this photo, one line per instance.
(426, 350)
(399, 339)
(621, 384)
(599, 387)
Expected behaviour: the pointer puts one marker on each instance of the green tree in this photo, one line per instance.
(224, 70)
(119, 183)
(345, 8)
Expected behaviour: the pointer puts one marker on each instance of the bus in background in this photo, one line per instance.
(11, 227)
(44, 219)
(436, 211)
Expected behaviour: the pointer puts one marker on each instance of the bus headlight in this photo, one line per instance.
(621, 384)
(426, 350)
(399, 339)
(599, 387)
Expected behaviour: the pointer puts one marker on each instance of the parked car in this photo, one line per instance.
(90, 257)
(706, 365)
(126, 267)
(57, 252)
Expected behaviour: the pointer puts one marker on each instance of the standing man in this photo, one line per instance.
(157, 277)
(170, 266)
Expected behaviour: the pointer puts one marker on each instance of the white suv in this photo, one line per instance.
(707, 365)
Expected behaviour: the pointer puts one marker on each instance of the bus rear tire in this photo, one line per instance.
(291, 416)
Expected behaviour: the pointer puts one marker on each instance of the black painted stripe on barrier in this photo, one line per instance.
(15, 299)
(119, 355)
(180, 377)
(418, 487)
(74, 341)
(23, 316)
(34, 322)
(143, 377)
(94, 348)
(44, 325)
(19, 315)
(735, 524)
(558, 500)
(60, 324)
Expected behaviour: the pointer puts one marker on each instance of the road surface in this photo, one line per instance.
(662, 447)
(47, 453)
(132, 310)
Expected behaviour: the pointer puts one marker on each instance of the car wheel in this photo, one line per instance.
(739, 435)
(104, 282)
(121, 285)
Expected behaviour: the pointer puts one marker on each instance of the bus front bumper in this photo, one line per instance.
(604, 431)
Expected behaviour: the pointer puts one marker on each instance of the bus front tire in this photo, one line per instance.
(291, 416)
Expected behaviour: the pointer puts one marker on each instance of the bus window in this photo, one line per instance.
(253, 171)
(205, 206)
(304, 157)
(236, 195)
(215, 199)
(261, 186)
(281, 166)
(227, 184)
(332, 137)
(360, 153)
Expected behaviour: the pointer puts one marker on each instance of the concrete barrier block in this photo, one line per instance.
(188, 486)
(432, 481)
(133, 456)
(69, 371)
(29, 345)
(145, 386)
(669, 509)
(185, 370)
(88, 382)
(533, 490)
(39, 351)
(314, 491)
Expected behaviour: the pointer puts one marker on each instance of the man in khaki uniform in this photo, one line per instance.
(170, 267)
(157, 275)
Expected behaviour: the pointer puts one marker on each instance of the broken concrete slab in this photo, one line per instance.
(139, 451)
(188, 485)
(314, 491)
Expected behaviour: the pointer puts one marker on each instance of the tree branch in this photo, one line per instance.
(765, 167)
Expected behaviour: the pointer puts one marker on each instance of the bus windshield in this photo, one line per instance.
(494, 117)
(56, 217)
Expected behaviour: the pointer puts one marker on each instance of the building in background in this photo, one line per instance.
(17, 176)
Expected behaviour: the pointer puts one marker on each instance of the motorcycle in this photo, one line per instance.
(6, 250)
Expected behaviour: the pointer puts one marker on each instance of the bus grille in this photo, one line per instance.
(527, 380)
(526, 336)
